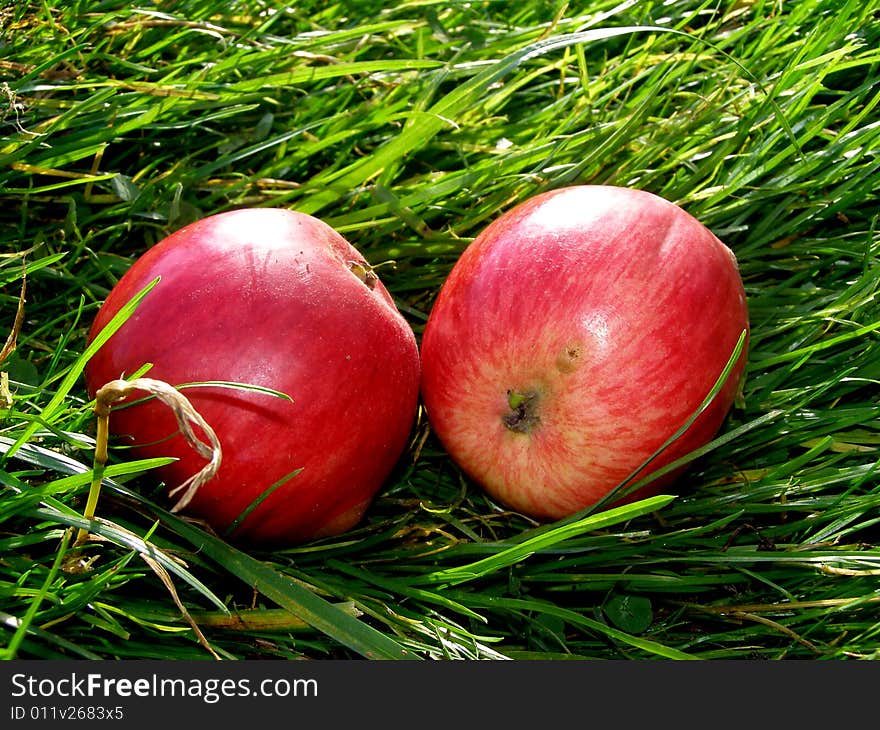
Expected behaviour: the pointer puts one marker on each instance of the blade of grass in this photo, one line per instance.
(24, 625)
(75, 371)
(577, 619)
(440, 113)
(126, 538)
(300, 601)
(522, 550)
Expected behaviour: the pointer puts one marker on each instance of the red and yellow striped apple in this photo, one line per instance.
(574, 336)
(277, 299)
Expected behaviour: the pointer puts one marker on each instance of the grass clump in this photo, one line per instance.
(408, 127)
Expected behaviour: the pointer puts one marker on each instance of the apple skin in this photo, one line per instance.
(278, 299)
(572, 338)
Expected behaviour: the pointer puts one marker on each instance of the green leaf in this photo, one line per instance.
(632, 614)
(124, 188)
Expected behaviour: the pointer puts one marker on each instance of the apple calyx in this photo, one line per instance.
(523, 415)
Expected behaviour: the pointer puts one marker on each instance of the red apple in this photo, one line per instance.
(277, 299)
(574, 336)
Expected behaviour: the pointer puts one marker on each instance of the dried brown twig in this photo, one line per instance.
(187, 418)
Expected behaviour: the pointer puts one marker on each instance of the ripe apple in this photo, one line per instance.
(574, 336)
(277, 299)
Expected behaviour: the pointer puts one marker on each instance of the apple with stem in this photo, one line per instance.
(268, 299)
(573, 338)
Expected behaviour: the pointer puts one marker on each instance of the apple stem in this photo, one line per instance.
(364, 272)
(523, 415)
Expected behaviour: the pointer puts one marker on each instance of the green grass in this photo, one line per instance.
(409, 126)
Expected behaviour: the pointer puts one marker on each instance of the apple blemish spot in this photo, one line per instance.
(569, 358)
